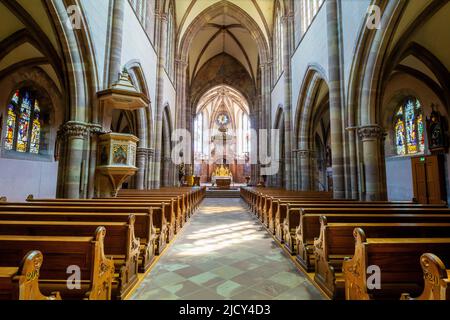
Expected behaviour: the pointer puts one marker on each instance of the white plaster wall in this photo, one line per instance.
(277, 98)
(353, 14)
(137, 46)
(97, 15)
(19, 178)
(169, 97)
(399, 179)
(313, 49)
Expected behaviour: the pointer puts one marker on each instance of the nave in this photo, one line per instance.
(224, 253)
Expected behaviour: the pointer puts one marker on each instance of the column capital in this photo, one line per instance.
(162, 16)
(266, 65)
(371, 132)
(74, 129)
(142, 152)
(95, 129)
(289, 16)
(181, 63)
(303, 153)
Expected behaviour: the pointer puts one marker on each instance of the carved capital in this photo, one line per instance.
(288, 17)
(95, 129)
(181, 63)
(371, 132)
(266, 65)
(304, 154)
(74, 129)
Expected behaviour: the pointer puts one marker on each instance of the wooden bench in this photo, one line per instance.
(397, 261)
(160, 207)
(286, 229)
(436, 279)
(144, 224)
(120, 243)
(22, 282)
(309, 227)
(96, 271)
(336, 242)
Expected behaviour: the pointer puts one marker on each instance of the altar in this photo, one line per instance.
(222, 178)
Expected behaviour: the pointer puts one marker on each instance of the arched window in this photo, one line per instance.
(309, 9)
(409, 128)
(23, 125)
(278, 43)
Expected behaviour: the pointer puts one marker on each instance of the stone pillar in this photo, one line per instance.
(305, 169)
(74, 134)
(162, 27)
(335, 87)
(288, 20)
(254, 166)
(372, 138)
(94, 131)
(266, 108)
(353, 163)
(141, 164)
(115, 53)
(149, 171)
(181, 83)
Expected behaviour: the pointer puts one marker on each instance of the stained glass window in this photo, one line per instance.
(23, 133)
(409, 128)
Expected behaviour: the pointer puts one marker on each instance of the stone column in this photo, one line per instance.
(353, 163)
(254, 166)
(266, 109)
(335, 98)
(372, 137)
(288, 20)
(115, 51)
(159, 98)
(141, 164)
(149, 171)
(305, 169)
(74, 135)
(181, 83)
(94, 131)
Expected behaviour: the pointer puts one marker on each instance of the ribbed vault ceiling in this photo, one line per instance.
(224, 33)
(27, 37)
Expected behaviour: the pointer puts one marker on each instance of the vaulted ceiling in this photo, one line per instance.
(423, 56)
(224, 33)
(27, 38)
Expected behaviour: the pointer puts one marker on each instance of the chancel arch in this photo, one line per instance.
(222, 134)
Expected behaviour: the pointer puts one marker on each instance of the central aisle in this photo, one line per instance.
(224, 253)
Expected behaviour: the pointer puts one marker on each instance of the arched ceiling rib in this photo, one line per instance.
(223, 95)
(27, 38)
(224, 33)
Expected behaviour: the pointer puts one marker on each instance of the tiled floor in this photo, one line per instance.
(224, 253)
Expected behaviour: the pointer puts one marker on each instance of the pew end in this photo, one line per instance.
(436, 279)
(27, 279)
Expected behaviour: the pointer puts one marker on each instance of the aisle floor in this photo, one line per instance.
(224, 253)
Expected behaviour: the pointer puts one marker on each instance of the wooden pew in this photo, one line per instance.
(397, 262)
(286, 230)
(22, 282)
(336, 242)
(96, 271)
(309, 227)
(436, 279)
(164, 207)
(120, 243)
(144, 227)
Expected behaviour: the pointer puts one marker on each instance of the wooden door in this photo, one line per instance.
(428, 179)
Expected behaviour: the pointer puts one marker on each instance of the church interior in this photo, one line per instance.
(224, 150)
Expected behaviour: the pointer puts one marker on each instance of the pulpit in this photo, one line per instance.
(116, 162)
